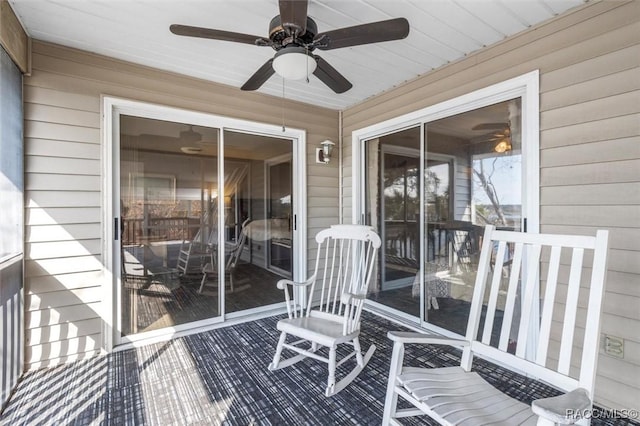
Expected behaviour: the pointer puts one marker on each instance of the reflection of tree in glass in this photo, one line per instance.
(432, 182)
(401, 193)
(484, 179)
(437, 200)
(485, 170)
(402, 200)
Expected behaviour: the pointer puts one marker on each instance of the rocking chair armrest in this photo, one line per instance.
(405, 337)
(564, 409)
(347, 297)
(281, 284)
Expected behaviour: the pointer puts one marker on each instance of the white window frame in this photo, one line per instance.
(112, 108)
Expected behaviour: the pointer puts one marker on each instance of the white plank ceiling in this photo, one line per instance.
(441, 31)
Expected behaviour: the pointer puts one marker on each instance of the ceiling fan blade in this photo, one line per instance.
(375, 32)
(490, 126)
(330, 76)
(186, 30)
(259, 77)
(293, 15)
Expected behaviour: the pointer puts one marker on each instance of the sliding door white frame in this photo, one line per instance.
(525, 87)
(112, 109)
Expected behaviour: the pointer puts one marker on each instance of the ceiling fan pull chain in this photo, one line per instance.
(306, 51)
(283, 128)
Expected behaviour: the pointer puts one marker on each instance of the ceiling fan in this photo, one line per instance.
(189, 140)
(501, 137)
(294, 36)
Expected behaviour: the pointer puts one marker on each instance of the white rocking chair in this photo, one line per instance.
(335, 295)
(232, 253)
(544, 268)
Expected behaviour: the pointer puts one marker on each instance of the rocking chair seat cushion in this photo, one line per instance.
(320, 330)
(474, 403)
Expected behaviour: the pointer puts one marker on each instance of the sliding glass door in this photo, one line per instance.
(169, 222)
(473, 177)
(430, 188)
(393, 208)
(279, 213)
(204, 221)
(259, 233)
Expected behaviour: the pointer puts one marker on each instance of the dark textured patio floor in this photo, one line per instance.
(221, 377)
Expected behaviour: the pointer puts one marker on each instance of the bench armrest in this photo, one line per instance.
(564, 409)
(415, 337)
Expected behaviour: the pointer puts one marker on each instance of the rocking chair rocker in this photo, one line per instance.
(335, 295)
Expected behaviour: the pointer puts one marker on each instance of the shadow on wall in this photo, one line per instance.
(62, 311)
(11, 329)
(62, 323)
(64, 276)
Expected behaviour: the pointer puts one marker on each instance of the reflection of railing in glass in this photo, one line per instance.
(134, 231)
(400, 238)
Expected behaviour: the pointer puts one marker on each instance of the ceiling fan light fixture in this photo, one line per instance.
(503, 145)
(294, 63)
(191, 149)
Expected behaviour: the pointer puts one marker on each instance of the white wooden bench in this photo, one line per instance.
(556, 283)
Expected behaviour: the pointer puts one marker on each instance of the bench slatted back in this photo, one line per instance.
(533, 268)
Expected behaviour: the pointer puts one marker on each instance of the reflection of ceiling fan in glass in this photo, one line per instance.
(501, 136)
(190, 135)
(192, 141)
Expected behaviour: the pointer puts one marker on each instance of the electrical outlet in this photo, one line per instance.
(614, 346)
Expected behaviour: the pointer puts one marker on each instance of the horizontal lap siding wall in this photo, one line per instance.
(589, 62)
(64, 267)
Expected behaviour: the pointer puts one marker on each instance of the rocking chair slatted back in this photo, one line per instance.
(519, 255)
(349, 260)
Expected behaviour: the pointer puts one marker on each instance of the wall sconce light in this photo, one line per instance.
(323, 154)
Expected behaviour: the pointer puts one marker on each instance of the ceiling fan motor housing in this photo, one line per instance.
(282, 38)
(190, 135)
